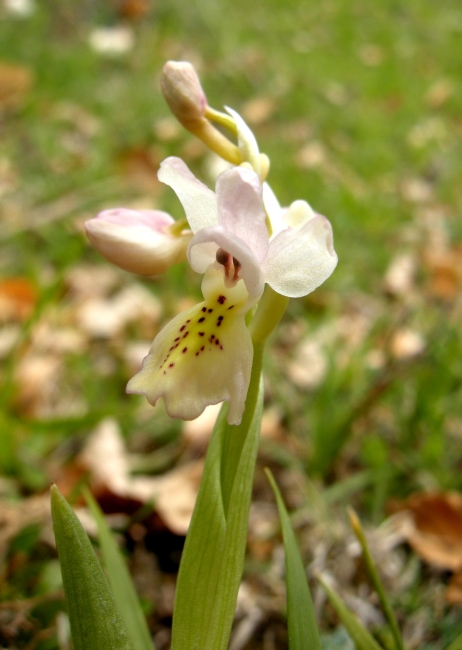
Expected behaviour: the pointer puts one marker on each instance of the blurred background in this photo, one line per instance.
(358, 106)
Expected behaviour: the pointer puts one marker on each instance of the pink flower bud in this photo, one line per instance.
(183, 93)
(138, 241)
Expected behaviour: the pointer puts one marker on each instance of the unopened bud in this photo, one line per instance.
(141, 242)
(183, 93)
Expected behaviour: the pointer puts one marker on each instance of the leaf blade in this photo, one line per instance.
(120, 581)
(213, 557)
(96, 623)
(362, 639)
(301, 618)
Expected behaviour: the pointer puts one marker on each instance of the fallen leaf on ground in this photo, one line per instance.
(445, 268)
(436, 533)
(17, 299)
(15, 83)
(16, 517)
(173, 494)
(400, 275)
(406, 343)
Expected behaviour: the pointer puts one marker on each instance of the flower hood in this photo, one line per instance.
(230, 226)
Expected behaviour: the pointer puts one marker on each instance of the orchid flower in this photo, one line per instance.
(147, 242)
(204, 356)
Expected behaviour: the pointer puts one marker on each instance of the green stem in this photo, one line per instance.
(270, 311)
(221, 118)
(233, 443)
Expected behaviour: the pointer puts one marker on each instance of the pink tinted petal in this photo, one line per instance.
(299, 261)
(152, 219)
(240, 208)
(137, 241)
(202, 251)
(199, 203)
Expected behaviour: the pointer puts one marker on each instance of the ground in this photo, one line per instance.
(358, 107)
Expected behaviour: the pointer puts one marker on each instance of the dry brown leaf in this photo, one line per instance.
(17, 299)
(14, 518)
(400, 275)
(445, 267)
(406, 344)
(436, 533)
(15, 83)
(173, 494)
(133, 9)
(106, 317)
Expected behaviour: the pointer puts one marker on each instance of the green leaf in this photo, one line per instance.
(456, 644)
(301, 619)
(96, 623)
(213, 557)
(373, 573)
(120, 580)
(362, 639)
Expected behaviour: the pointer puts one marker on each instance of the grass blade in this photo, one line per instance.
(386, 607)
(362, 639)
(96, 623)
(301, 619)
(120, 580)
(213, 558)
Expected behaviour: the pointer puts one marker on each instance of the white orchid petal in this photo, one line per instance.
(240, 208)
(199, 203)
(202, 252)
(202, 357)
(137, 241)
(246, 140)
(273, 210)
(299, 261)
(298, 214)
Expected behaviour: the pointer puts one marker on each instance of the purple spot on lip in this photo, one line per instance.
(231, 307)
(209, 311)
(185, 334)
(171, 365)
(221, 300)
(182, 328)
(201, 320)
(184, 350)
(204, 309)
(201, 333)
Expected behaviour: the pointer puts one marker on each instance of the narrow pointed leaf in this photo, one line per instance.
(373, 573)
(213, 558)
(120, 580)
(301, 619)
(96, 623)
(362, 639)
